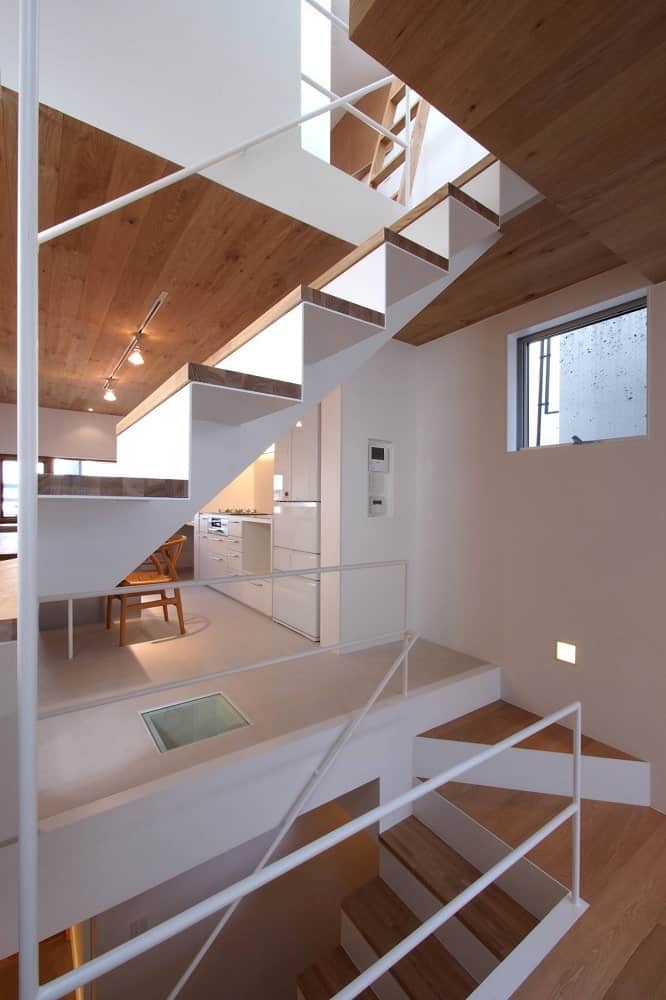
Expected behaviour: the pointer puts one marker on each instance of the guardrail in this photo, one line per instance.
(231, 895)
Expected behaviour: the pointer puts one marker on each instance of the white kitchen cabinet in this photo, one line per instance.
(259, 595)
(297, 460)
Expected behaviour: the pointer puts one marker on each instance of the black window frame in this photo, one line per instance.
(545, 334)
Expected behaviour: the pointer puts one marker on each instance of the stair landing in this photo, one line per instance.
(623, 870)
(499, 720)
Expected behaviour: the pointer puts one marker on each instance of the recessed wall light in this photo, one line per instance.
(90, 409)
(565, 651)
(299, 423)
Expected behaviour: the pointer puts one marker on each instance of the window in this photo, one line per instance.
(9, 485)
(584, 380)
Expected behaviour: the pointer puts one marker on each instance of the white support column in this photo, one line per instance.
(27, 451)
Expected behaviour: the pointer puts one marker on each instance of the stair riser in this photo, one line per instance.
(458, 941)
(603, 778)
(536, 891)
(450, 228)
(363, 956)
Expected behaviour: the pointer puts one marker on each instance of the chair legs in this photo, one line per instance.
(123, 621)
(179, 609)
(164, 603)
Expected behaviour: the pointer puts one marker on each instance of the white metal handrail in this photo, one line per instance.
(238, 578)
(333, 18)
(302, 800)
(164, 931)
(355, 111)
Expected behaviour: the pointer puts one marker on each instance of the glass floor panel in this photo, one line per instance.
(189, 721)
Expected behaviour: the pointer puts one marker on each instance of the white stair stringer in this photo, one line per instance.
(87, 544)
(606, 779)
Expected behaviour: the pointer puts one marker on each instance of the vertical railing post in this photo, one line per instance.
(70, 630)
(405, 640)
(408, 148)
(27, 288)
(576, 823)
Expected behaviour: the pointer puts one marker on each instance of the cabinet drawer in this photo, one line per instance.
(235, 562)
(235, 527)
(258, 594)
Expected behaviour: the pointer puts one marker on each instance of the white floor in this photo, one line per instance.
(94, 752)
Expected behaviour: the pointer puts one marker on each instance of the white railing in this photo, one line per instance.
(401, 631)
(231, 895)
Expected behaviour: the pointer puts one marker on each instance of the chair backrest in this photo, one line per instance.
(169, 553)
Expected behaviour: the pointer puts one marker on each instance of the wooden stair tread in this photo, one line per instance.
(329, 975)
(388, 168)
(311, 293)
(510, 814)
(449, 190)
(210, 374)
(493, 917)
(495, 722)
(428, 972)
(51, 484)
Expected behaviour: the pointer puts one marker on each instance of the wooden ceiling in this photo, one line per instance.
(572, 96)
(222, 258)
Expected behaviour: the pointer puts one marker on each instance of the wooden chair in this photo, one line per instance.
(164, 562)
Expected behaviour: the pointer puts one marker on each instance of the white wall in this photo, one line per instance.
(253, 489)
(518, 549)
(64, 433)
(377, 402)
(273, 937)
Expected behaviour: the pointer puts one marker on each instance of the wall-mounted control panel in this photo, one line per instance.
(380, 478)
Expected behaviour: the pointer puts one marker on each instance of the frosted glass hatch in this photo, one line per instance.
(190, 721)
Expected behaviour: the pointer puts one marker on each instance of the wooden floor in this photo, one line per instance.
(497, 721)
(55, 959)
(617, 949)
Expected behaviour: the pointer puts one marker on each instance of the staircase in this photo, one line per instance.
(541, 763)
(203, 426)
(457, 833)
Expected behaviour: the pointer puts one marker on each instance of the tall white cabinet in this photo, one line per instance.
(298, 460)
(296, 526)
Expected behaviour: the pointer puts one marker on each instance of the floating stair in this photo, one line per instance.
(206, 423)
(499, 720)
(328, 976)
(541, 763)
(493, 917)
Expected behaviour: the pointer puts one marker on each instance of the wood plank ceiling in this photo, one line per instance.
(222, 257)
(572, 96)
